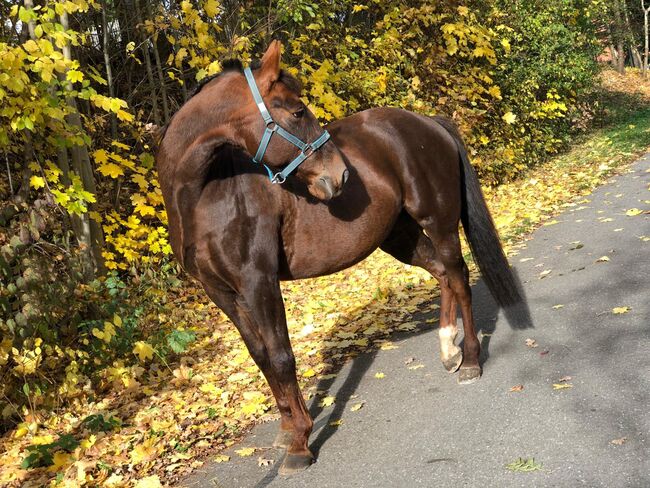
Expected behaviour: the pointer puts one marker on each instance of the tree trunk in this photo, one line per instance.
(620, 65)
(646, 12)
(147, 63)
(90, 237)
(156, 57)
(107, 63)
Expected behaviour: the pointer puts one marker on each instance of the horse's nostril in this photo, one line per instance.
(346, 175)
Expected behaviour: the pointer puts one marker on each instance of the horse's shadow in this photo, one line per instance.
(488, 314)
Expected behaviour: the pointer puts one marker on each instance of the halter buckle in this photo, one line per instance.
(308, 150)
(278, 179)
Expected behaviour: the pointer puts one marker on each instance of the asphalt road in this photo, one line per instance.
(418, 427)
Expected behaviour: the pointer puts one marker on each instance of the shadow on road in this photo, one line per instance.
(486, 313)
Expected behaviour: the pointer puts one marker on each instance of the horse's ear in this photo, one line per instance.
(269, 71)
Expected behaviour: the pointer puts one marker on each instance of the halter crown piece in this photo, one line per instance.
(306, 149)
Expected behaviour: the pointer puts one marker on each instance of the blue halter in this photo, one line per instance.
(272, 127)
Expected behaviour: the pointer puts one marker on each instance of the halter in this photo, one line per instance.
(272, 127)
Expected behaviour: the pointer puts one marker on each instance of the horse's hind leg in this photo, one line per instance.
(449, 253)
(410, 245)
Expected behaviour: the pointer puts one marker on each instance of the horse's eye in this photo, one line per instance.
(299, 113)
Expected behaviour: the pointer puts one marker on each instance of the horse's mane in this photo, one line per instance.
(229, 66)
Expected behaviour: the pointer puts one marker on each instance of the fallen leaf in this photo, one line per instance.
(608, 219)
(380, 376)
(523, 260)
(326, 376)
(633, 211)
(531, 343)
(416, 366)
(524, 465)
(620, 310)
(545, 273)
(221, 458)
(149, 482)
(544, 352)
(602, 259)
(309, 373)
(551, 222)
(245, 451)
(336, 423)
(559, 305)
(564, 379)
(562, 386)
(409, 360)
(357, 406)
(327, 401)
(262, 461)
(517, 388)
(619, 442)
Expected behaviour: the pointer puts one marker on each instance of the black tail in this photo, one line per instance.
(480, 230)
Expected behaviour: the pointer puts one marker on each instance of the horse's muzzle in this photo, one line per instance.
(328, 188)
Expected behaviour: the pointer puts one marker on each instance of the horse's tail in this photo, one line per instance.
(480, 230)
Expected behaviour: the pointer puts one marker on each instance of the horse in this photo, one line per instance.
(382, 178)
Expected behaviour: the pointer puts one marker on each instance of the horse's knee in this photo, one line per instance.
(283, 363)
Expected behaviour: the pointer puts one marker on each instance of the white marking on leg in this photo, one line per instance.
(448, 348)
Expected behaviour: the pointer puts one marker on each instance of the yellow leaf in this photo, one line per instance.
(562, 386)
(380, 375)
(602, 259)
(74, 76)
(327, 401)
(36, 182)
(555, 307)
(620, 310)
(100, 156)
(143, 350)
(149, 482)
(60, 459)
(356, 406)
(221, 458)
(211, 8)
(336, 423)
(463, 11)
(509, 118)
(110, 169)
(632, 212)
(309, 373)
(117, 320)
(245, 452)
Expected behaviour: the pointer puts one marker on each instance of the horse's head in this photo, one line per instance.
(324, 170)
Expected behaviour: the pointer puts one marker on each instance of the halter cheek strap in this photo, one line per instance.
(306, 149)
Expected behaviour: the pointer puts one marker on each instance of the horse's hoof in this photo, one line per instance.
(469, 374)
(294, 463)
(283, 439)
(453, 363)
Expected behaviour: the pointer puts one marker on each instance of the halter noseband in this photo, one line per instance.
(306, 149)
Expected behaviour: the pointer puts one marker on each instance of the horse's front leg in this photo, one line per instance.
(263, 296)
(258, 312)
(234, 306)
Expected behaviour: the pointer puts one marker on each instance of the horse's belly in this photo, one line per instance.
(325, 241)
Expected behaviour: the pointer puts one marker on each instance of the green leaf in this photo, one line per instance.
(178, 340)
(97, 423)
(524, 465)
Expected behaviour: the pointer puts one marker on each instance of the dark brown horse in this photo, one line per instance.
(410, 184)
